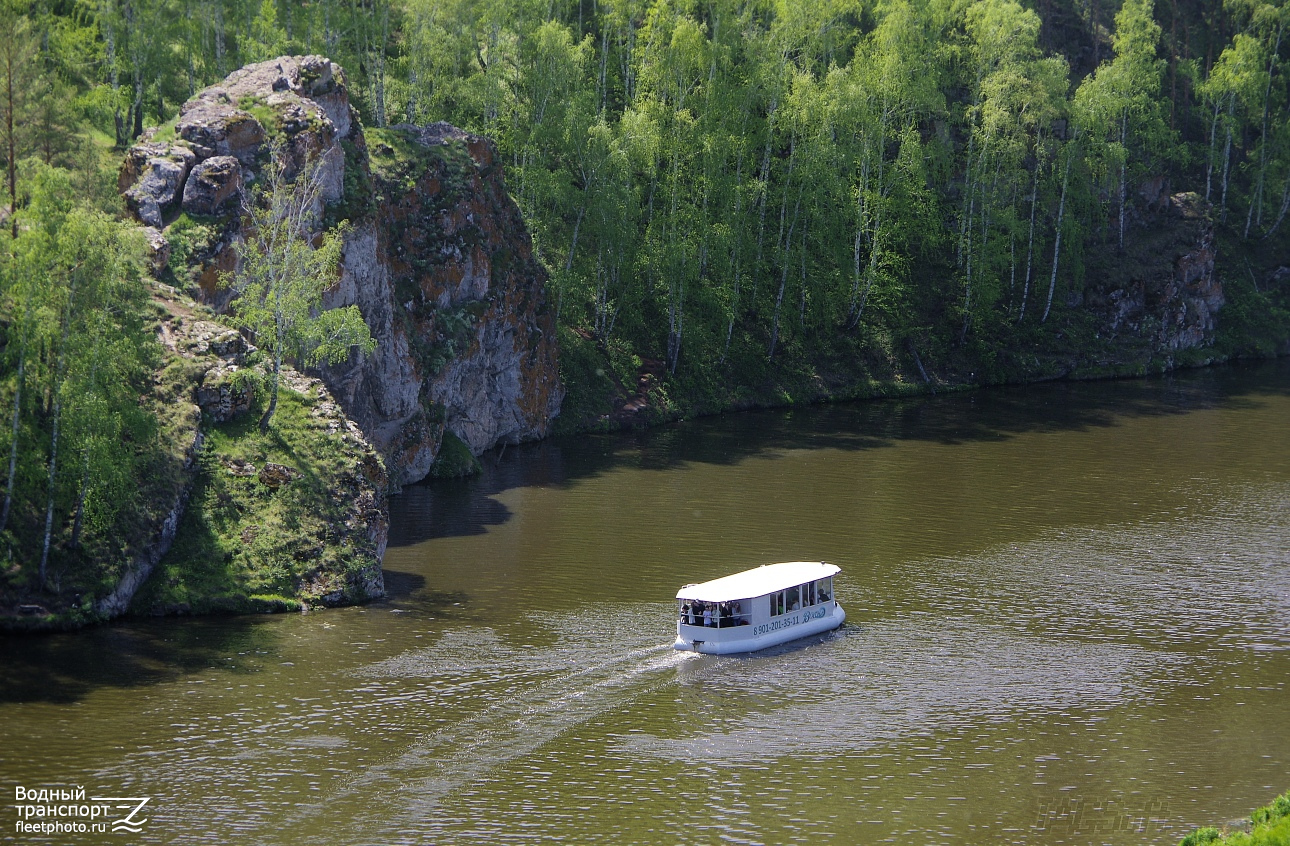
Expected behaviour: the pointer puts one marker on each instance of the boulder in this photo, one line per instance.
(241, 467)
(221, 395)
(217, 129)
(137, 158)
(155, 175)
(214, 187)
(276, 475)
(158, 248)
(323, 82)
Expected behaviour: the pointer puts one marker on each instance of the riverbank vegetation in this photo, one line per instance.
(740, 202)
(753, 203)
(1269, 826)
(90, 447)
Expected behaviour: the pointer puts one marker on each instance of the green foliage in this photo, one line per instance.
(455, 459)
(282, 277)
(1269, 826)
(188, 238)
(1279, 808)
(589, 384)
(265, 114)
(359, 197)
(78, 355)
(738, 203)
(763, 195)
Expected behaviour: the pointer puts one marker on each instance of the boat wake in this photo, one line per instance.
(550, 691)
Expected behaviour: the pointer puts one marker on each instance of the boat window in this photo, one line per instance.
(824, 589)
(735, 614)
(808, 593)
(718, 615)
(791, 598)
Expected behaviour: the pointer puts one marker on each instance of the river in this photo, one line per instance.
(1068, 622)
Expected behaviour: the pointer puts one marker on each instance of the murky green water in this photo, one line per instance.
(1069, 622)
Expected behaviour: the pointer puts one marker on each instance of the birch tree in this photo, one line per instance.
(282, 277)
(1120, 107)
(1267, 28)
(893, 87)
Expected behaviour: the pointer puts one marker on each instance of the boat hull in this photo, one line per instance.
(728, 641)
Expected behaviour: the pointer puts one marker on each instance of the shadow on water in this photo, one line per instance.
(466, 507)
(401, 585)
(63, 668)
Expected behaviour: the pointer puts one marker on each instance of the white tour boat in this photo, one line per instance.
(761, 607)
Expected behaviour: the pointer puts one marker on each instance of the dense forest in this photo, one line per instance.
(747, 201)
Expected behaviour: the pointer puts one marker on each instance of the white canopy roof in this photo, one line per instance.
(758, 581)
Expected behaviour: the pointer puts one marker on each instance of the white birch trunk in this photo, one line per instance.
(1057, 246)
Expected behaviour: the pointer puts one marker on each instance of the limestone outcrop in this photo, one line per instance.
(199, 383)
(437, 258)
(220, 137)
(445, 274)
(214, 187)
(1162, 287)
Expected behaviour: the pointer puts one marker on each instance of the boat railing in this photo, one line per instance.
(719, 623)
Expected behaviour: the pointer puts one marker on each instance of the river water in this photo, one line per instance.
(1069, 622)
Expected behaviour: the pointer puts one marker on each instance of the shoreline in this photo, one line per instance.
(29, 619)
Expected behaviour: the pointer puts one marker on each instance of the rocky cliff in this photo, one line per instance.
(437, 259)
(1161, 289)
(443, 270)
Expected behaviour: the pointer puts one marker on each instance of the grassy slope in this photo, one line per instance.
(243, 545)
